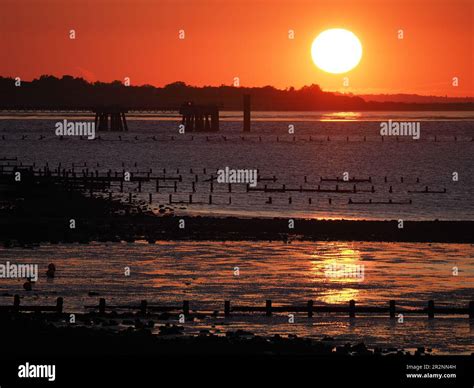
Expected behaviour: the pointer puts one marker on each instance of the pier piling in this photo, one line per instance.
(59, 305)
(16, 303)
(431, 307)
(352, 305)
(102, 306)
(392, 308)
(268, 308)
(143, 307)
(186, 308)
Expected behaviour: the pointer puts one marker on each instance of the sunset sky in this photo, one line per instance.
(241, 38)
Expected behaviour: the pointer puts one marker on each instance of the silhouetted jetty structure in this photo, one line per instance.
(199, 118)
(117, 121)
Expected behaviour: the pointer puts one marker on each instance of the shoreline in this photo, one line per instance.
(39, 332)
(167, 228)
(43, 209)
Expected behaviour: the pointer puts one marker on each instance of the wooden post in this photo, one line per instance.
(310, 308)
(471, 309)
(125, 126)
(352, 305)
(227, 308)
(16, 303)
(268, 308)
(431, 309)
(246, 112)
(186, 307)
(59, 305)
(143, 306)
(102, 306)
(392, 308)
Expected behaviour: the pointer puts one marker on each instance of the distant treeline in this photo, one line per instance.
(52, 92)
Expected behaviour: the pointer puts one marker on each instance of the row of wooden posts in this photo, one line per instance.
(117, 176)
(96, 179)
(243, 138)
(309, 308)
(144, 307)
(94, 182)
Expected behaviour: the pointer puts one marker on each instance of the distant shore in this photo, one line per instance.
(42, 93)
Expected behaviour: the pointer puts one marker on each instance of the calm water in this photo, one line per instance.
(203, 272)
(154, 143)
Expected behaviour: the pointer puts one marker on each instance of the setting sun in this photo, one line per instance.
(336, 51)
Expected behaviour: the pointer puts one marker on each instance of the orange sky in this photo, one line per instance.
(241, 38)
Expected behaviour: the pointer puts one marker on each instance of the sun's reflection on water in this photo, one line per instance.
(341, 266)
(341, 116)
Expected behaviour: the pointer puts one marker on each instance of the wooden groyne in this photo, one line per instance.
(91, 179)
(310, 308)
(16, 307)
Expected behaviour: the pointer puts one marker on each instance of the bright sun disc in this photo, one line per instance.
(336, 51)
